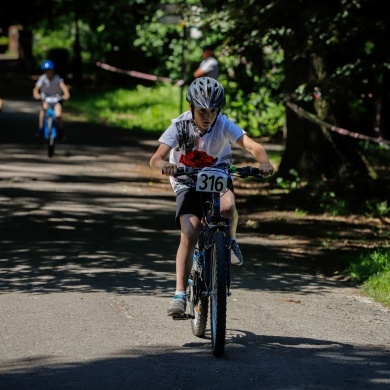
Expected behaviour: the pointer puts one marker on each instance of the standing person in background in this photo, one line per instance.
(209, 67)
(50, 84)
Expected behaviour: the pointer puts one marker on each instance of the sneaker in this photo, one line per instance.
(177, 307)
(235, 254)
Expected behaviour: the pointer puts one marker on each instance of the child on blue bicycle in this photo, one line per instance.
(201, 137)
(50, 84)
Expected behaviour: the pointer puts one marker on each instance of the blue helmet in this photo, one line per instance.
(47, 65)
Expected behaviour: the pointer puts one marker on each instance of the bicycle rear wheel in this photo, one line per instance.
(218, 279)
(199, 306)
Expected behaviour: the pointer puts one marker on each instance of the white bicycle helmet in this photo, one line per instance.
(206, 92)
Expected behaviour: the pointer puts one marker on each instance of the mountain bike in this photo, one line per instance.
(50, 132)
(210, 276)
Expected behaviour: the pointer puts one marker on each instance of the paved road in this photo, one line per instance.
(87, 271)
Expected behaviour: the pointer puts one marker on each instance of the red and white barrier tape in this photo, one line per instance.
(301, 112)
(133, 73)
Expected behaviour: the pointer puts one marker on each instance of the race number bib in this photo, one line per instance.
(212, 180)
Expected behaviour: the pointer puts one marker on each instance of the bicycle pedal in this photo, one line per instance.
(186, 316)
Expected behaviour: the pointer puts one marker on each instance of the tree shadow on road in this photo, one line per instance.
(250, 362)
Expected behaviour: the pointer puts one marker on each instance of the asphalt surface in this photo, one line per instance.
(87, 255)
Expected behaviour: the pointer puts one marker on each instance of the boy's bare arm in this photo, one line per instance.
(258, 152)
(65, 91)
(158, 160)
(36, 93)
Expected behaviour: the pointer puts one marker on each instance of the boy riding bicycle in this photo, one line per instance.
(201, 137)
(50, 84)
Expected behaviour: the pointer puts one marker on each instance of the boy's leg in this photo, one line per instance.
(188, 212)
(41, 120)
(185, 252)
(188, 238)
(60, 129)
(229, 210)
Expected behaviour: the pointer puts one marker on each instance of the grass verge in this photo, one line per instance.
(371, 271)
(148, 109)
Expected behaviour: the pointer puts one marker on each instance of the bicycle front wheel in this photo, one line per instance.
(50, 138)
(218, 280)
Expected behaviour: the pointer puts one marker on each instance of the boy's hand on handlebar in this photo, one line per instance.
(169, 169)
(266, 169)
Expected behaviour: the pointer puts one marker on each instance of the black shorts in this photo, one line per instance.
(190, 201)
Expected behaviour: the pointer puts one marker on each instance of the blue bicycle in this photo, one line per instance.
(50, 130)
(210, 277)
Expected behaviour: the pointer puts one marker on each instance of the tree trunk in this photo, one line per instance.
(312, 150)
(26, 59)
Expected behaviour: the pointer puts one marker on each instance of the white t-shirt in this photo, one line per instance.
(50, 87)
(189, 148)
(210, 67)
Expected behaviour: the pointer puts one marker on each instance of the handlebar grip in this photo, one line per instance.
(255, 171)
(249, 171)
(180, 171)
(187, 171)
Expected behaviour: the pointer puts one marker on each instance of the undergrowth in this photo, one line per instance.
(371, 270)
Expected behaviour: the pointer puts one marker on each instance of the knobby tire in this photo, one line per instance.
(200, 305)
(218, 294)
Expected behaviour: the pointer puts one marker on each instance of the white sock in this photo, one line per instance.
(177, 292)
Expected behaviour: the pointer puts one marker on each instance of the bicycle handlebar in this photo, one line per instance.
(247, 171)
(51, 99)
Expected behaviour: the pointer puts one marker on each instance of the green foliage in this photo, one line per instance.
(378, 209)
(300, 213)
(253, 76)
(253, 100)
(333, 205)
(289, 185)
(257, 113)
(165, 34)
(60, 36)
(4, 40)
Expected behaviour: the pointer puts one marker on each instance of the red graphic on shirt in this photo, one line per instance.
(197, 159)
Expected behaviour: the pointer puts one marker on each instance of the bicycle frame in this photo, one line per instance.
(211, 222)
(50, 128)
(50, 123)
